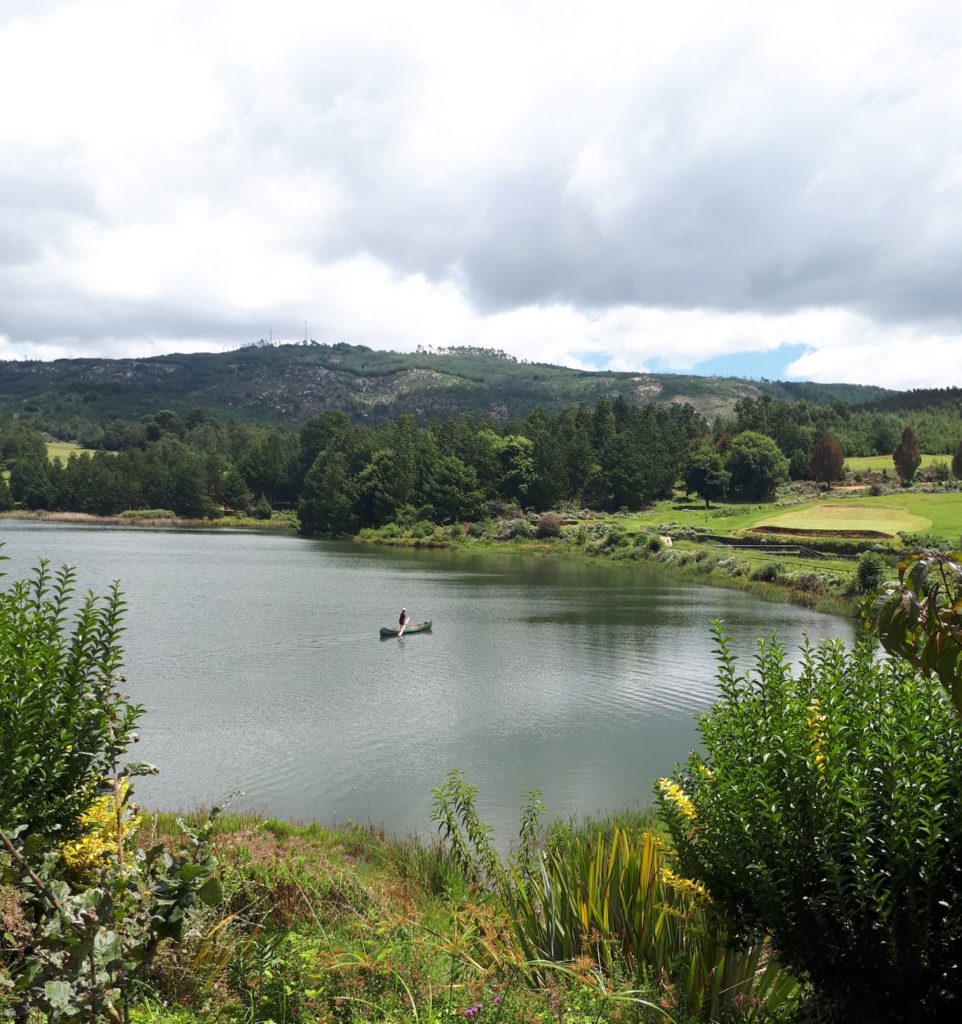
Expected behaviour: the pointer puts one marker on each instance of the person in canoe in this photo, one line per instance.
(402, 622)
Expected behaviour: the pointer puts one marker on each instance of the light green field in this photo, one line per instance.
(851, 515)
(944, 511)
(876, 463)
(890, 514)
(723, 518)
(64, 449)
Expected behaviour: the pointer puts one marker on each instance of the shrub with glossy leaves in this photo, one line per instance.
(826, 813)
(920, 620)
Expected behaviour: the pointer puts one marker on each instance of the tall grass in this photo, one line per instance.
(611, 902)
(617, 901)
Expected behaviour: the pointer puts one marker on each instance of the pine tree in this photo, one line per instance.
(957, 463)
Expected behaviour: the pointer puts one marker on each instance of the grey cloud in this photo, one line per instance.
(736, 204)
(777, 214)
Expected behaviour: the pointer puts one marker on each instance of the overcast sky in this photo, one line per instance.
(772, 189)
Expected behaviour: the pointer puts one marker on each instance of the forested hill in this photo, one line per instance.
(290, 383)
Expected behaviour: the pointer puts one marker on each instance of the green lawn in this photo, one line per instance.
(876, 463)
(874, 515)
(890, 514)
(723, 518)
(944, 511)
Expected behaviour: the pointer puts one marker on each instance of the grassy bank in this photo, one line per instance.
(825, 585)
(346, 924)
(801, 548)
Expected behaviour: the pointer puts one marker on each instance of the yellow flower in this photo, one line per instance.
(686, 887)
(815, 720)
(676, 795)
(99, 841)
(705, 771)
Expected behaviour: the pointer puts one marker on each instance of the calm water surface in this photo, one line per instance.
(258, 660)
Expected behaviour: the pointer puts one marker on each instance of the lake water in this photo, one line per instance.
(258, 659)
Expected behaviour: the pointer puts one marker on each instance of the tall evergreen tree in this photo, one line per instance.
(957, 462)
(906, 456)
(828, 459)
(327, 501)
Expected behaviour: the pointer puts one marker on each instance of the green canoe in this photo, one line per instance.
(411, 627)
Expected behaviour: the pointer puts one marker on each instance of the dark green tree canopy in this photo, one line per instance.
(706, 476)
(756, 466)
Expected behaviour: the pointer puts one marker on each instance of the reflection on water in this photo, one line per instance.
(259, 661)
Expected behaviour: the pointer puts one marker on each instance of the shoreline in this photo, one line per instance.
(696, 561)
(691, 567)
(154, 522)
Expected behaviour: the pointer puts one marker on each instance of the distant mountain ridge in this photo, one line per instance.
(291, 382)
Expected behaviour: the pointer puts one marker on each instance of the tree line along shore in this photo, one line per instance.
(783, 497)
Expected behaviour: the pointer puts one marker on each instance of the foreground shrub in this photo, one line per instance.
(82, 906)
(826, 812)
(920, 620)
(62, 720)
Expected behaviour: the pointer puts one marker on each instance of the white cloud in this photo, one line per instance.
(613, 181)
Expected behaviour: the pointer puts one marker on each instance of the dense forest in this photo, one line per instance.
(342, 476)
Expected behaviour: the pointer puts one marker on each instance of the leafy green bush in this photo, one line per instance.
(616, 537)
(515, 529)
(422, 529)
(870, 571)
(925, 542)
(262, 508)
(826, 812)
(62, 721)
(147, 513)
(767, 573)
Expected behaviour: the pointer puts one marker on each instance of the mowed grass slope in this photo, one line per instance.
(888, 515)
(852, 515)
